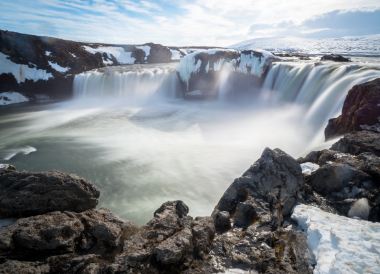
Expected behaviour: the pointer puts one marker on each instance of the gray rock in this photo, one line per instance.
(92, 231)
(359, 142)
(25, 194)
(203, 231)
(334, 177)
(274, 182)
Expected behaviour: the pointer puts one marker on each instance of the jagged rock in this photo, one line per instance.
(361, 110)
(203, 231)
(359, 142)
(335, 58)
(51, 233)
(274, 181)
(245, 213)
(23, 267)
(27, 194)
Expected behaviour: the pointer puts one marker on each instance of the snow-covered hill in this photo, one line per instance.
(356, 45)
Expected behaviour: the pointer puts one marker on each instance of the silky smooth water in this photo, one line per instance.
(143, 146)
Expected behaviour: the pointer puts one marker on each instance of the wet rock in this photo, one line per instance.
(335, 58)
(26, 194)
(359, 142)
(361, 110)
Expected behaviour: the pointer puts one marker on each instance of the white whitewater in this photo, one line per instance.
(135, 83)
(320, 88)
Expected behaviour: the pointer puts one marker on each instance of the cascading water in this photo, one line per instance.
(137, 83)
(319, 88)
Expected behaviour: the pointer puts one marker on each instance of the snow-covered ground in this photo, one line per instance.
(146, 49)
(357, 45)
(22, 72)
(122, 56)
(11, 97)
(340, 244)
(58, 68)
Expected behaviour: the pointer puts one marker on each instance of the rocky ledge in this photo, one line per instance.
(53, 225)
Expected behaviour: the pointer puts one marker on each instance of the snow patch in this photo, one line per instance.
(12, 97)
(308, 168)
(340, 244)
(176, 54)
(146, 49)
(22, 72)
(47, 53)
(123, 57)
(58, 68)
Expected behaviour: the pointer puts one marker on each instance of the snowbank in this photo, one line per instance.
(123, 57)
(340, 244)
(12, 97)
(58, 68)
(308, 168)
(249, 62)
(22, 72)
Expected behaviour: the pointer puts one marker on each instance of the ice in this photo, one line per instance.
(58, 68)
(22, 72)
(12, 97)
(123, 57)
(308, 168)
(340, 244)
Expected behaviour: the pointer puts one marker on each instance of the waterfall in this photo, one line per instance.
(130, 83)
(320, 88)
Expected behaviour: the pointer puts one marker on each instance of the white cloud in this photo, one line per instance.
(212, 22)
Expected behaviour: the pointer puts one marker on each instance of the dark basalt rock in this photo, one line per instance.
(274, 182)
(358, 142)
(361, 110)
(54, 233)
(335, 58)
(27, 194)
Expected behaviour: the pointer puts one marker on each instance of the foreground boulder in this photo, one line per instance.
(270, 186)
(361, 110)
(55, 233)
(26, 194)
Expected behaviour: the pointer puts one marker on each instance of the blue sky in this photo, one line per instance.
(198, 22)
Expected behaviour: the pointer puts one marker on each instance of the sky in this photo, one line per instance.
(189, 23)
